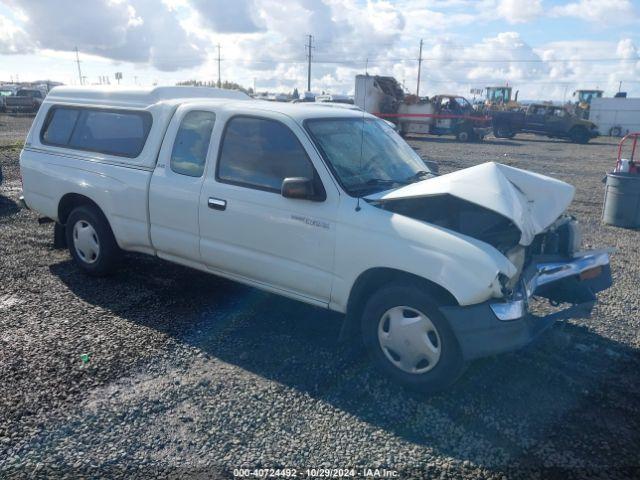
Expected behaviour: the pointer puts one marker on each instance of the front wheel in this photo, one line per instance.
(409, 340)
(91, 241)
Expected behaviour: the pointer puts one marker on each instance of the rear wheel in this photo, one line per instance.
(615, 132)
(465, 135)
(579, 135)
(409, 340)
(91, 241)
(503, 131)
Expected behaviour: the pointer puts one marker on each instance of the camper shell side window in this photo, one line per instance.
(118, 132)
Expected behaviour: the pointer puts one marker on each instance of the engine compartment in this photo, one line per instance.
(561, 239)
(461, 216)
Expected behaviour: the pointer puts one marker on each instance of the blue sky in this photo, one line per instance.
(546, 48)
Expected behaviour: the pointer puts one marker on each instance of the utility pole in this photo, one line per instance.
(219, 77)
(419, 68)
(78, 62)
(620, 86)
(309, 64)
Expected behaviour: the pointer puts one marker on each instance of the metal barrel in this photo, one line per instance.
(622, 200)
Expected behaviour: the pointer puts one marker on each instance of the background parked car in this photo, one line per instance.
(6, 91)
(549, 120)
(26, 100)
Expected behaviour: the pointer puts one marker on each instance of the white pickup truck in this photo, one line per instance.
(327, 206)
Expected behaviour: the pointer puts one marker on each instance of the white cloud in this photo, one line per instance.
(265, 39)
(134, 31)
(518, 11)
(626, 49)
(609, 12)
(13, 39)
(223, 16)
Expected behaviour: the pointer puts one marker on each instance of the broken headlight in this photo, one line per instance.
(562, 238)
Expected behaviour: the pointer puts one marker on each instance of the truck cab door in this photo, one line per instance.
(535, 119)
(557, 121)
(248, 230)
(443, 121)
(174, 192)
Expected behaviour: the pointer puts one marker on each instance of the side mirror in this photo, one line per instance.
(298, 187)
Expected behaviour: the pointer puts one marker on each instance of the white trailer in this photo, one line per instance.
(615, 116)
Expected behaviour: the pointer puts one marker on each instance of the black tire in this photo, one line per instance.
(615, 132)
(465, 135)
(108, 253)
(450, 364)
(579, 135)
(503, 131)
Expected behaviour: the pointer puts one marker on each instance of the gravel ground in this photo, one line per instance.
(190, 373)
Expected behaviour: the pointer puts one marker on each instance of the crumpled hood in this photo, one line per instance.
(530, 200)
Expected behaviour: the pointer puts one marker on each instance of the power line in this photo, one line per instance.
(362, 61)
(535, 82)
(479, 60)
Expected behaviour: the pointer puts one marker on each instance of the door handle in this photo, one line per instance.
(217, 203)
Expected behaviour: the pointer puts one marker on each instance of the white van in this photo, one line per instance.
(324, 205)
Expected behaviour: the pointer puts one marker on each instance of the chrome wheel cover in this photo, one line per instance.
(409, 339)
(85, 241)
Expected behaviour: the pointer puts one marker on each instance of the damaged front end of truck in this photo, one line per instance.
(523, 216)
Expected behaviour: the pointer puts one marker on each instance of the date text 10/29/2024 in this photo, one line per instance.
(315, 473)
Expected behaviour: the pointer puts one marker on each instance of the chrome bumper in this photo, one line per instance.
(545, 273)
(494, 327)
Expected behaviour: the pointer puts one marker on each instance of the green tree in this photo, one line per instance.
(212, 84)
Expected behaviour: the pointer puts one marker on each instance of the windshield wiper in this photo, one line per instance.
(377, 182)
(419, 176)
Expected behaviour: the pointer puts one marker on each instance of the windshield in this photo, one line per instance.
(586, 96)
(366, 155)
(499, 94)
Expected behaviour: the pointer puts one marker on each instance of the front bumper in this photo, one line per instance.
(494, 327)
